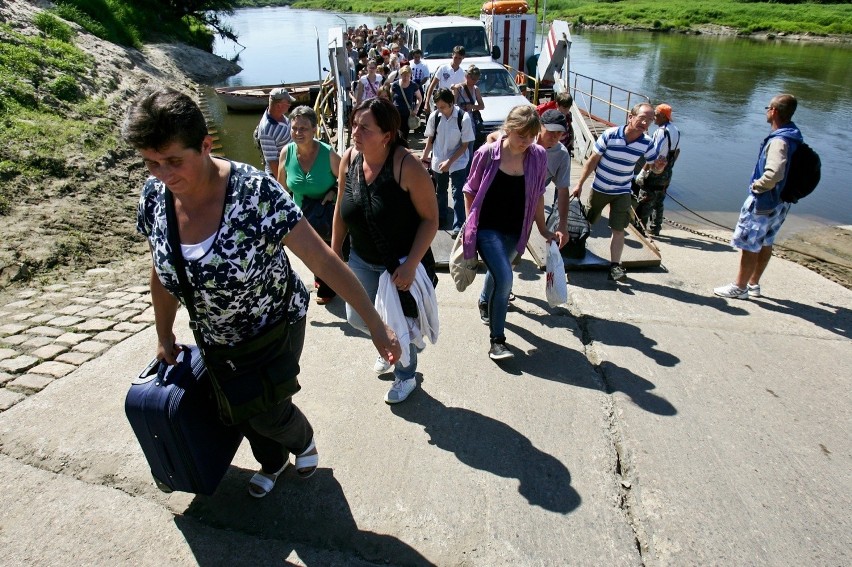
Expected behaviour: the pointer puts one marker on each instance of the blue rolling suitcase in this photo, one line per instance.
(173, 413)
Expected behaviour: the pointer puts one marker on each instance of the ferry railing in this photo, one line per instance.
(524, 81)
(597, 106)
(326, 110)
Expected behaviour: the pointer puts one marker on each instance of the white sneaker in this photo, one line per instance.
(753, 290)
(382, 366)
(731, 292)
(400, 390)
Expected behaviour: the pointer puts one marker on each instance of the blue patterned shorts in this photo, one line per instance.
(754, 231)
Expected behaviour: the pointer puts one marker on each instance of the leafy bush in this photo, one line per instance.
(73, 14)
(112, 20)
(52, 26)
(65, 88)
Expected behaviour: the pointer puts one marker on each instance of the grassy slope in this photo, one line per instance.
(818, 19)
(43, 84)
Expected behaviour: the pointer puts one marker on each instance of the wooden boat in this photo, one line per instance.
(256, 98)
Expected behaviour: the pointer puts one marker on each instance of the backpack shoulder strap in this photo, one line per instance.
(434, 119)
(459, 117)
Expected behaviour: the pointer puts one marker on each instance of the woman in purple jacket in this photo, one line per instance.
(503, 195)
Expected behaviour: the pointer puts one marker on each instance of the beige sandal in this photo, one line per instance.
(262, 483)
(306, 463)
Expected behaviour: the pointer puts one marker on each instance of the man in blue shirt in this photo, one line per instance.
(616, 153)
(273, 131)
(764, 212)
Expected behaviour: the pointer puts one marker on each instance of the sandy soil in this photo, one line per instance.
(87, 219)
(827, 252)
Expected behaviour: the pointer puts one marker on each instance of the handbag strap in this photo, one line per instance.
(179, 263)
(469, 96)
(404, 97)
(180, 268)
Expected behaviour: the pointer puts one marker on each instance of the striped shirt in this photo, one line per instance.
(615, 170)
(273, 136)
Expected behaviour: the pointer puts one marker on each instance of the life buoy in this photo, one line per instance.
(505, 7)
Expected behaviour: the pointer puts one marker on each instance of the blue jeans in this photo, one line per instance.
(444, 180)
(369, 274)
(497, 250)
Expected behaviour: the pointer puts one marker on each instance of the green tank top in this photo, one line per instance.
(314, 183)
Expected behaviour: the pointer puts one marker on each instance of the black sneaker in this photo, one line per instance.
(499, 351)
(617, 273)
(483, 313)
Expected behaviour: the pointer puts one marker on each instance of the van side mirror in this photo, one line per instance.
(495, 52)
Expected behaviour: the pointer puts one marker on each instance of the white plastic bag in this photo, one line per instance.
(556, 284)
(463, 271)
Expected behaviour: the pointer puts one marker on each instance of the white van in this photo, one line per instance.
(436, 36)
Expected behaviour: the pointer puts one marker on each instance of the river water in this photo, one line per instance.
(717, 87)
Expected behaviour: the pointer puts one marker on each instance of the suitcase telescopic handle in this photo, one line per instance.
(151, 371)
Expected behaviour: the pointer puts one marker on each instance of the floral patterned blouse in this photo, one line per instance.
(241, 282)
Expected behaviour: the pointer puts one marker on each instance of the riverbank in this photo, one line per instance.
(70, 188)
(797, 22)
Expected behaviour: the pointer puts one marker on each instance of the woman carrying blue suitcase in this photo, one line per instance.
(247, 305)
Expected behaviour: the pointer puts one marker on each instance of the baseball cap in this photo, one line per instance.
(281, 94)
(665, 110)
(554, 121)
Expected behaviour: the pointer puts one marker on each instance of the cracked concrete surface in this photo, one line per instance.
(651, 424)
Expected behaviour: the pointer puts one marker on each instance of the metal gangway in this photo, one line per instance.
(598, 105)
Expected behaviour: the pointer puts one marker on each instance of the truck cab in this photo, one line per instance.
(436, 36)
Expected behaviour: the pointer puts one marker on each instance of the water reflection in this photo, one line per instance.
(717, 86)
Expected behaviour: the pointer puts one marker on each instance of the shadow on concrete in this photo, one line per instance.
(526, 270)
(556, 362)
(619, 379)
(311, 513)
(486, 444)
(336, 307)
(684, 296)
(695, 243)
(831, 318)
(617, 333)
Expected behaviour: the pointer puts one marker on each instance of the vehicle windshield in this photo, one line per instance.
(497, 82)
(439, 43)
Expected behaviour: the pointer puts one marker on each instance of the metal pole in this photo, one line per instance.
(319, 62)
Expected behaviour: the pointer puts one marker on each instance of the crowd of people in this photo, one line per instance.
(363, 221)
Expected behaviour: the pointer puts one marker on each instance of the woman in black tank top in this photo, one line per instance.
(389, 210)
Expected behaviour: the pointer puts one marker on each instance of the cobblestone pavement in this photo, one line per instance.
(47, 331)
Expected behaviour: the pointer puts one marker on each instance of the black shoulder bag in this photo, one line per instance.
(252, 376)
(391, 262)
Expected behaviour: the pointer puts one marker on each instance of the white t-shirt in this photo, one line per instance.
(447, 77)
(370, 89)
(448, 137)
(419, 72)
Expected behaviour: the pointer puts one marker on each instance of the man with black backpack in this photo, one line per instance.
(764, 210)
